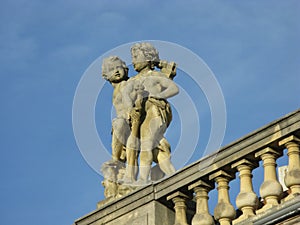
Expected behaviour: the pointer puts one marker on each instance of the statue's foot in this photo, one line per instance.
(111, 163)
(126, 181)
(141, 182)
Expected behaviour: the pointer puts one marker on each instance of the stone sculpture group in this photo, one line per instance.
(142, 117)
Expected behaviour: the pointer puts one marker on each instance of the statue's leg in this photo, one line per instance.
(117, 148)
(164, 157)
(132, 148)
(131, 156)
(151, 131)
(120, 133)
(145, 166)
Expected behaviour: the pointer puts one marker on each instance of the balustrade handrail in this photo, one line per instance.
(243, 147)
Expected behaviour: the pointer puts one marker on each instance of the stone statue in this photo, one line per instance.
(115, 71)
(152, 113)
(143, 115)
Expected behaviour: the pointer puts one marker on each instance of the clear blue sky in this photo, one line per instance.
(251, 46)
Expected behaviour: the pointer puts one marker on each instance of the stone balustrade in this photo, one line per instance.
(243, 157)
(259, 150)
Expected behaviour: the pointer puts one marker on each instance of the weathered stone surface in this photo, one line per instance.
(270, 188)
(138, 204)
(143, 115)
(202, 219)
(202, 216)
(235, 151)
(151, 213)
(292, 177)
(246, 199)
(224, 209)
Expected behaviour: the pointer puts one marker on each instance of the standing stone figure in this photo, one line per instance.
(143, 115)
(155, 114)
(115, 71)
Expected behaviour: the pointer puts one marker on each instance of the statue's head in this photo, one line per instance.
(114, 69)
(144, 55)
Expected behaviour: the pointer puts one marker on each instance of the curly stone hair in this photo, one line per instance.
(146, 51)
(107, 62)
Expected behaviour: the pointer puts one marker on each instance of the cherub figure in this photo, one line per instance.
(115, 71)
(151, 113)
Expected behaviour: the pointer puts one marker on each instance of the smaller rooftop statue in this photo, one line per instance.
(143, 115)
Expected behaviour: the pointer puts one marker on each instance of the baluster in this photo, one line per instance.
(179, 200)
(271, 189)
(224, 211)
(202, 216)
(246, 200)
(292, 178)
